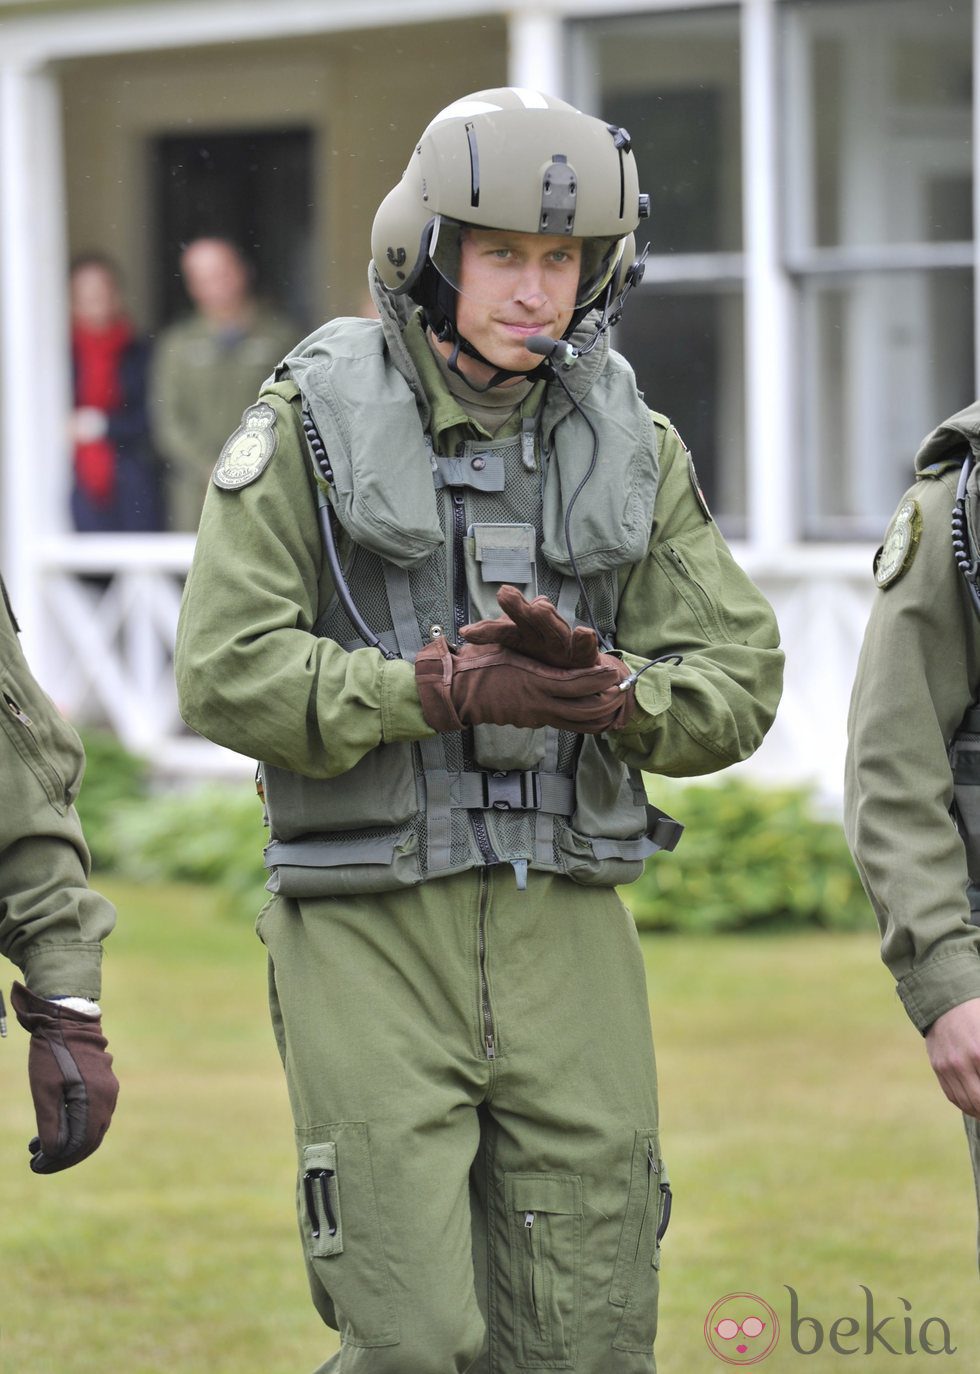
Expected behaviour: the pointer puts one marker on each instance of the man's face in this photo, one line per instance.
(512, 286)
(216, 278)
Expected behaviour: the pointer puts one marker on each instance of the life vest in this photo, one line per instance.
(432, 537)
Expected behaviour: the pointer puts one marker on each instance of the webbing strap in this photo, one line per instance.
(438, 816)
(544, 830)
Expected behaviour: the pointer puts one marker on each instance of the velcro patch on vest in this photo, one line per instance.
(901, 541)
(247, 452)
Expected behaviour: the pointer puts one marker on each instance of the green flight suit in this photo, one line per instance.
(200, 381)
(51, 923)
(918, 673)
(470, 1066)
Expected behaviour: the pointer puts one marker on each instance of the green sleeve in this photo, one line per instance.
(689, 597)
(51, 923)
(916, 676)
(251, 675)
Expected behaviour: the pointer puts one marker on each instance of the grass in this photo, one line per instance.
(807, 1142)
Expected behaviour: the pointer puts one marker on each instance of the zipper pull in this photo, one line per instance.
(3, 1017)
(16, 712)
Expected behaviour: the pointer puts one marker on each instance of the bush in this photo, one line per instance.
(749, 857)
(114, 781)
(212, 834)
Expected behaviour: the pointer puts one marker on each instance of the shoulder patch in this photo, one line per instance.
(247, 452)
(901, 540)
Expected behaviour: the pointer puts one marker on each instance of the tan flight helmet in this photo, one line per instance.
(510, 159)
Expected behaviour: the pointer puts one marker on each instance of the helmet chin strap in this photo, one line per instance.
(503, 374)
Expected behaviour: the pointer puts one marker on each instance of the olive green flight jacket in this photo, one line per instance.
(51, 923)
(252, 676)
(918, 672)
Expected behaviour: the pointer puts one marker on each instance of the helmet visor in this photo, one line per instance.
(495, 266)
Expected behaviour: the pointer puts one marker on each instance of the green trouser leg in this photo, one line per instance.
(462, 1212)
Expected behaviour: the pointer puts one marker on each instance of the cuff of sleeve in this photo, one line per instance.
(401, 709)
(651, 693)
(50, 970)
(940, 984)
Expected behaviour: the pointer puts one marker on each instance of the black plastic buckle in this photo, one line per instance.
(662, 829)
(513, 791)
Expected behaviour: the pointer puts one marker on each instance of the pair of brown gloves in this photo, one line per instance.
(526, 668)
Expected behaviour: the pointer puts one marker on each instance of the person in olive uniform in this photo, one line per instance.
(455, 586)
(51, 922)
(206, 366)
(915, 843)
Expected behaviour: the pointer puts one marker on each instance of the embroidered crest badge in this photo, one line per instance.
(901, 540)
(247, 452)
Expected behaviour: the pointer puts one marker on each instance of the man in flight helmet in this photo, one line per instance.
(456, 586)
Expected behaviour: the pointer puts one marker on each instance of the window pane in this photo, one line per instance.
(878, 99)
(686, 349)
(885, 358)
(673, 81)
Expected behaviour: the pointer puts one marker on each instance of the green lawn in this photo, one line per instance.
(807, 1142)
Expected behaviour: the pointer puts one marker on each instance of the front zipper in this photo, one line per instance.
(489, 1037)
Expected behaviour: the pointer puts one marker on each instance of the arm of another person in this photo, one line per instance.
(918, 666)
(251, 674)
(689, 597)
(51, 923)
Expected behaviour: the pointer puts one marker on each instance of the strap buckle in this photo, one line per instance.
(512, 791)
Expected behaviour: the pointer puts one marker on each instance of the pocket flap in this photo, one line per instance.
(558, 1193)
(321, 1156)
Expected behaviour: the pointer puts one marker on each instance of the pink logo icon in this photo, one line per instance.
(741, 1329)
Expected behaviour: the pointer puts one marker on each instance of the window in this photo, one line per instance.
(878, 226)
(673, 80)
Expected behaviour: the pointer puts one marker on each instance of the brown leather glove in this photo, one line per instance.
(484, 684)
(71, 1078)
(535, 628)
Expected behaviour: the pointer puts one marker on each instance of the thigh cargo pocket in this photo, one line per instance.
(636, 1281)
(544, 1214)
(341, 1229)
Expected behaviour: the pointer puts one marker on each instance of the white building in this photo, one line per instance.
(808, 312)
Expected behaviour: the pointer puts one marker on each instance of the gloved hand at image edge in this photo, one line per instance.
(536, 629)
(71, 1078)
(485, 684)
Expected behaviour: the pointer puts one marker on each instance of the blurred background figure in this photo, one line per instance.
(207, 368)
(116, 479)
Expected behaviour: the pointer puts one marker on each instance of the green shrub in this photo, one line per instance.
(211, 834)
(114, 780)
(750, 856)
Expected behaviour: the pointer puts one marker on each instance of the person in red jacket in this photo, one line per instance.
(116, 482)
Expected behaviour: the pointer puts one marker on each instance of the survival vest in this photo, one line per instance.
(432, 537)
